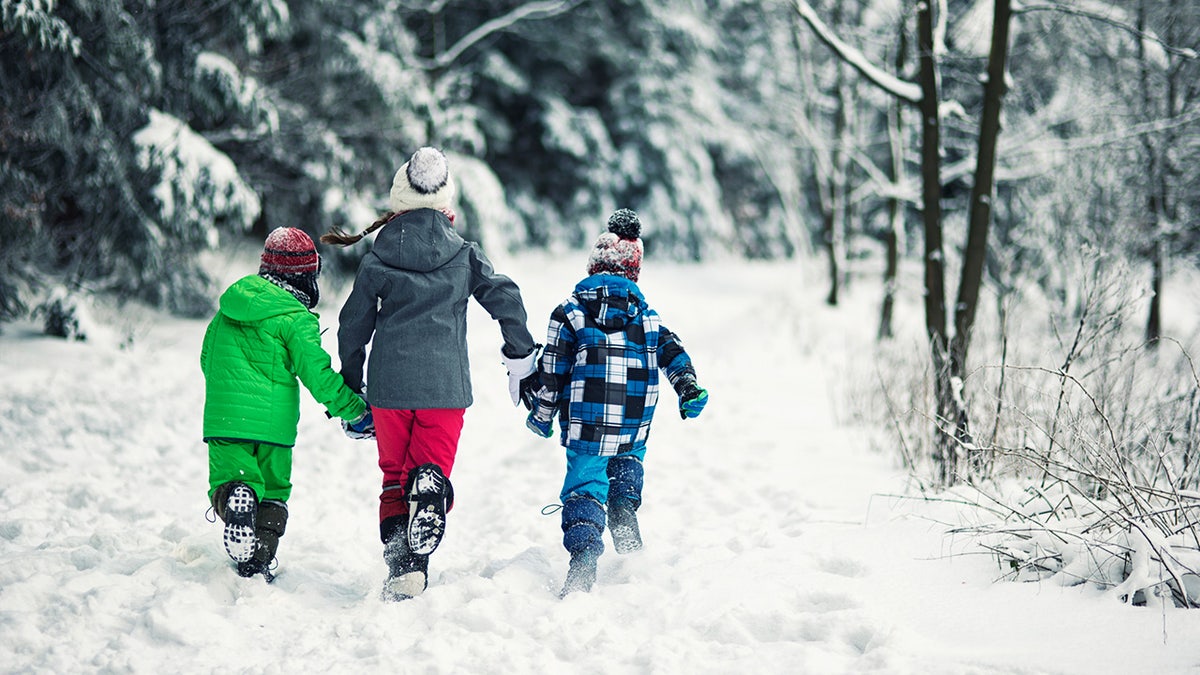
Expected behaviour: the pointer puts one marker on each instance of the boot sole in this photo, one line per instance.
(427, 510)
(626, 539)
(240, 512)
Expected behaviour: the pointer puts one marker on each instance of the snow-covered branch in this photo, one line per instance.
(902, 89)
(539, 10)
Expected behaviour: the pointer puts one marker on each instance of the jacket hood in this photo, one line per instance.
(253, 298)
(421, 241)
(612, 301)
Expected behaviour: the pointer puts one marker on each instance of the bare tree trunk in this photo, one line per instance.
(982, 193)
(1154, 320)
(894, 237)
(945, 451)
(835, 208)
(1153, 182)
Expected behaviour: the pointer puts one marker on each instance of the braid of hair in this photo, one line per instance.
(338, 236)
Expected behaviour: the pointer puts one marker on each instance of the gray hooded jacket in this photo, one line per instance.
(411, 296)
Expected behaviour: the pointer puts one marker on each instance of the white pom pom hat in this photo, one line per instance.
(423, 182)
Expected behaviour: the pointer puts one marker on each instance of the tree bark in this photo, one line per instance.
(835, 209)
(945, 451)
(1153, 183)
(982, 193)
(894, 237)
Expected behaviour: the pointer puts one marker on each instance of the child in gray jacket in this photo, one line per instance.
(409, 302)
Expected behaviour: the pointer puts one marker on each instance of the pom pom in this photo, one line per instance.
(625, 224)
(427, 170)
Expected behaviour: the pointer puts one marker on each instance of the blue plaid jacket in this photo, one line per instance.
(599, 370)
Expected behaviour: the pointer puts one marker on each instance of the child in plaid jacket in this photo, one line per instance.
(599, 373)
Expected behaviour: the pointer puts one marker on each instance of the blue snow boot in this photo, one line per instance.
(583, 530)
(624, 498)
(430, 496)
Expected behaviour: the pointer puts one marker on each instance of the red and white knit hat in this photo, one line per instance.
(619, 251)
(289, 251)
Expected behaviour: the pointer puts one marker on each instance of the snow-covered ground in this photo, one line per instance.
(771, 543)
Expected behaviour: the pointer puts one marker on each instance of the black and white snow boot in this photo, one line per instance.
(408, 573)
(271, 523)
(240, 514)
(429, 497)
(623, 524)
(581, 574)
(254, 566)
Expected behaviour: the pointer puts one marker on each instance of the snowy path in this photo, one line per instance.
(766, 551)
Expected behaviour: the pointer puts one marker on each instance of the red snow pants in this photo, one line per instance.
(407, 439)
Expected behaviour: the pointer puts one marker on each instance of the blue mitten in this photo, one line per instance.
(540, 425)
(692, 398)
(361, 429)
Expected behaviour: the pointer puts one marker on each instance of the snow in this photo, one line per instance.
(775, 539)
(199, 183)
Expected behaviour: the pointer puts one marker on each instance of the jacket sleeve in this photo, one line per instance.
(356, 325)
(311, 363)
(501, 298)
(673, 359)
(556, 362)
(204, 346)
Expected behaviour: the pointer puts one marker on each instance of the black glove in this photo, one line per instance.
(529, 388)
(692, 398)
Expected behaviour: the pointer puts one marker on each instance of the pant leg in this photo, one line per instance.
(435, 437)
(587, 476)
(275, 464)
(393, 436)
(625, 477)
(230, 461)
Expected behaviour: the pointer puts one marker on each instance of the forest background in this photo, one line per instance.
(1042, 154)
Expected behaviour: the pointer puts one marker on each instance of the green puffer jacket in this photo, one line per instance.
(259, 342)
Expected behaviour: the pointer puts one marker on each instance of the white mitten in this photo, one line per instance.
(518, 369)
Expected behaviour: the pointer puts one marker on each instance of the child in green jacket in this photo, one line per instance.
(263, 338)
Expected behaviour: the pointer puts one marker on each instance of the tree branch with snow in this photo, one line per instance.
(902, 89)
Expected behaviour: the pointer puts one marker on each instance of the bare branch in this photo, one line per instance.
(902, 89)
(533, 10)
(1096, 16)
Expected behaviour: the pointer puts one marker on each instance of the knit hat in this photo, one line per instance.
(423, 182)
(618, 251)
(289, 251)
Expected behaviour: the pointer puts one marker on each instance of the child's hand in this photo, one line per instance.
(540, 426)
(692, 399)
(529, 388)
(522, 377)
(362, 429)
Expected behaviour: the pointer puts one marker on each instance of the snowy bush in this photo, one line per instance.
(64, 315)
(1140, 544)
(1084, 468)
